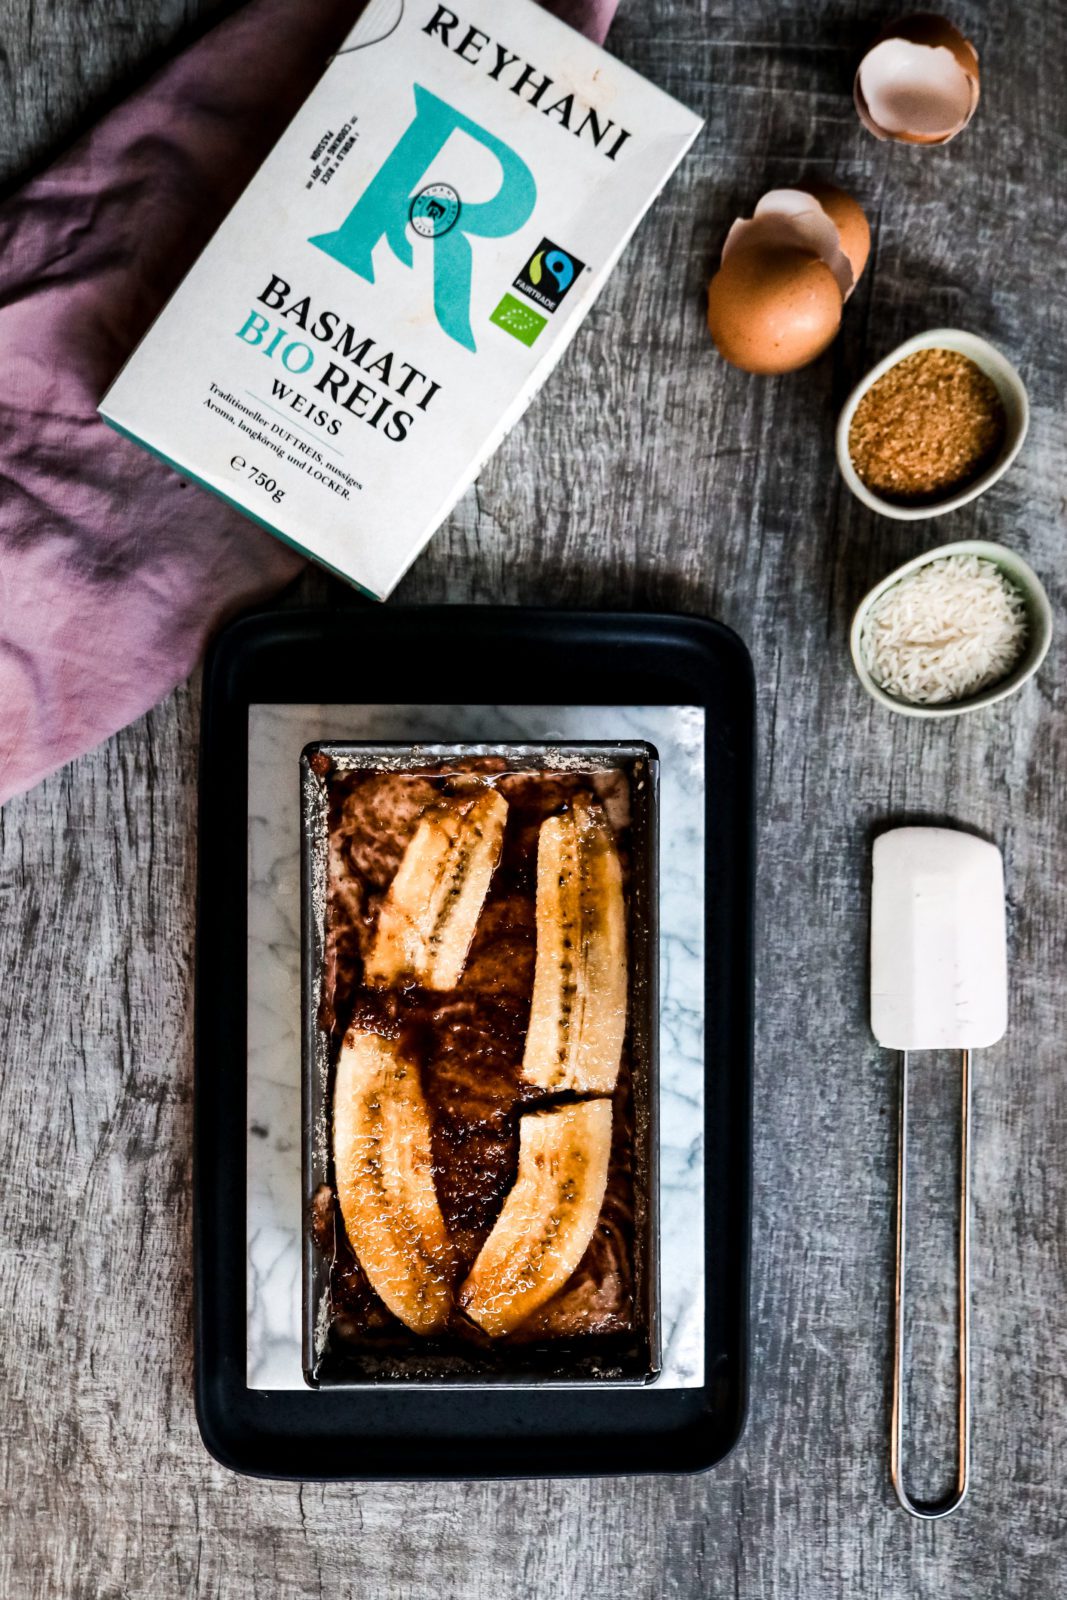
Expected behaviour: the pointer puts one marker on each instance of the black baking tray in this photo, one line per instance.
(395, 1354)
(383, 655)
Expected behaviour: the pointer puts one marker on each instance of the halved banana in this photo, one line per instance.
(428, 917)
(578, 1012)
(548, 1217)
(383, 1168)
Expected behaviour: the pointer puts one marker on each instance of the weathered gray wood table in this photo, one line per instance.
(647, 475)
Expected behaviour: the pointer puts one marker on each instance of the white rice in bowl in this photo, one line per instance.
(945, 632)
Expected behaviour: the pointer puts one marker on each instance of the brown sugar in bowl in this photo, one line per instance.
(902, 493)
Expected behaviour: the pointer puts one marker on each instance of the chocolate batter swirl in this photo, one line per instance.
(468, 1042)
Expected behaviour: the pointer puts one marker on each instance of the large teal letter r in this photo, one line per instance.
(381, 212)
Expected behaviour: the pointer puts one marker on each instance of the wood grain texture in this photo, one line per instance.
(646, 475)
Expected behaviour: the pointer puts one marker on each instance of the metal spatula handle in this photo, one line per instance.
(939, 981)
(932, 1509)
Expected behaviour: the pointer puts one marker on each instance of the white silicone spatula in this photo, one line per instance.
(939, 980)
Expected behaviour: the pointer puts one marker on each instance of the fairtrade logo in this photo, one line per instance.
(548, 275)
(434, 210)
(560, 267)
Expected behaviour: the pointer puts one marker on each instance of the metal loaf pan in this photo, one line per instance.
(591, 1359)
(333, 658)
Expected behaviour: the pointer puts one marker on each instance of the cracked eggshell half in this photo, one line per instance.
(853, 229)
(792, 218)
(919, 82)
(821, 219)
(773, 307)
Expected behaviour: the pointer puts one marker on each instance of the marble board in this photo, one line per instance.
(276, 736)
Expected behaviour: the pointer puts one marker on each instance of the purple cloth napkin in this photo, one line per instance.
(114, 571)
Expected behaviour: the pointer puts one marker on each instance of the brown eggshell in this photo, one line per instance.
(850, 220)
(793, 217)
(929, 29)
(773, 309)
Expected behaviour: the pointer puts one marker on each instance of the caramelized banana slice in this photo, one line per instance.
(548, 1218)
(384, 1174)
(430, 911)
(578, 1013)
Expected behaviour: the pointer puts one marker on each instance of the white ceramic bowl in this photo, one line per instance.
(1038, 620)
(1012, 392)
